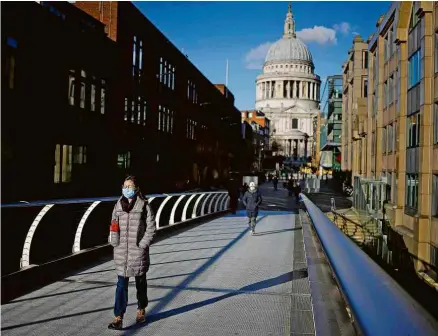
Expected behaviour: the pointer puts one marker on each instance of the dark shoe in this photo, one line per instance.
(117, 324)
(141, 316)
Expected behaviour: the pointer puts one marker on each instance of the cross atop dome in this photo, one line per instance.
(289, 24)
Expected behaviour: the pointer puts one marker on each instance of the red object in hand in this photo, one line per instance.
(114, 226)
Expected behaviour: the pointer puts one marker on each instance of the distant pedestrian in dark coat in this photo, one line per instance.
(252, 200)
(131, 233)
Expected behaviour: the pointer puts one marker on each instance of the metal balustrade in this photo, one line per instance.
(204, 204)
(379, 305)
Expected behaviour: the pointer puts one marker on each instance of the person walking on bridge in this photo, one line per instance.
(252, 200)
(131, 233)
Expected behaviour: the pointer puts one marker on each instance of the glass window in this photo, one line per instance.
(365, 88)
(133, 110)
(436, 52)
(139, 112)
(93, 95)
(67, 163)
(134, 51)
(57, 172)
(13, 43)
(413, 136)
(71, 88)
(140, 56)
(435, 123)
(384, 139)
(126, 109)
(102, 97)
(144, 112)
(435, 195)
(414, 69)
(365, 60)
(83, 89)
(80, 155)
(124, 160)
(294, 123)
(412, 191)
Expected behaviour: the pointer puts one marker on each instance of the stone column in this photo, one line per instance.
(296, 146)
(294, 91)
(302, 89)
(311, 91)
(305, 148)
(287, 89)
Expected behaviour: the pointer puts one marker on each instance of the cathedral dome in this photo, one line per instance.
(289, 49)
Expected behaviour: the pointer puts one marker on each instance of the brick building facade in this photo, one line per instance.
(159, 112)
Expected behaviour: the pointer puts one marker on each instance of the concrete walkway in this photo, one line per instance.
(213, 279)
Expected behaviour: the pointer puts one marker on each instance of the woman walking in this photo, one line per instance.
(131, 233)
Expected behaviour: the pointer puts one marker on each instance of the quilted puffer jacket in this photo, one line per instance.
(131, 242)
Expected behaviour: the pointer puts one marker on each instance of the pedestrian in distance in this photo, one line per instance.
(131, 233)
(297, 191)
(275, 182)
(252, 200)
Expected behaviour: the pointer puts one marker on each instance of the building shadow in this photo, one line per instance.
(276, 231)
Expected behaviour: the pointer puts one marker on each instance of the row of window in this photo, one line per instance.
(389, 46)
(192, 93)
(66, 156)
(137, 57)
(412, 187)
(167, 74)
(92, 91)
(191, 129)
(165, 119)
(135, 111)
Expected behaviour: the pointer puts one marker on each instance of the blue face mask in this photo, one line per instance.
(128, 192)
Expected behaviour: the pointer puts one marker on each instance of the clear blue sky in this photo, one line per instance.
(211, 32)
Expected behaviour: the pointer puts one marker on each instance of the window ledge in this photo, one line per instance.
(410, 211)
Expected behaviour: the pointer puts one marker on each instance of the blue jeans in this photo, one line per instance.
(122, 294)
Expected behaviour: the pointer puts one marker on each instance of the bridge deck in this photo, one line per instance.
(213, 279)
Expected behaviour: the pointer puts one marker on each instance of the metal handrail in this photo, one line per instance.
(219, 202)
(370, 239)
(377, 302)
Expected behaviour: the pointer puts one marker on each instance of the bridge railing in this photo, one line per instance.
(38, 232)
(377, 302)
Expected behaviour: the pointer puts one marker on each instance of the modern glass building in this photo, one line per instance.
(331, 128)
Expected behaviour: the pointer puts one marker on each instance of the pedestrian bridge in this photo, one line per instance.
(298, 275)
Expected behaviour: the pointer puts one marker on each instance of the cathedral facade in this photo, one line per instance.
(288, 92)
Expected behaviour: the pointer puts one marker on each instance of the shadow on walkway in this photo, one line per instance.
(289, 276)
(276, 231)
